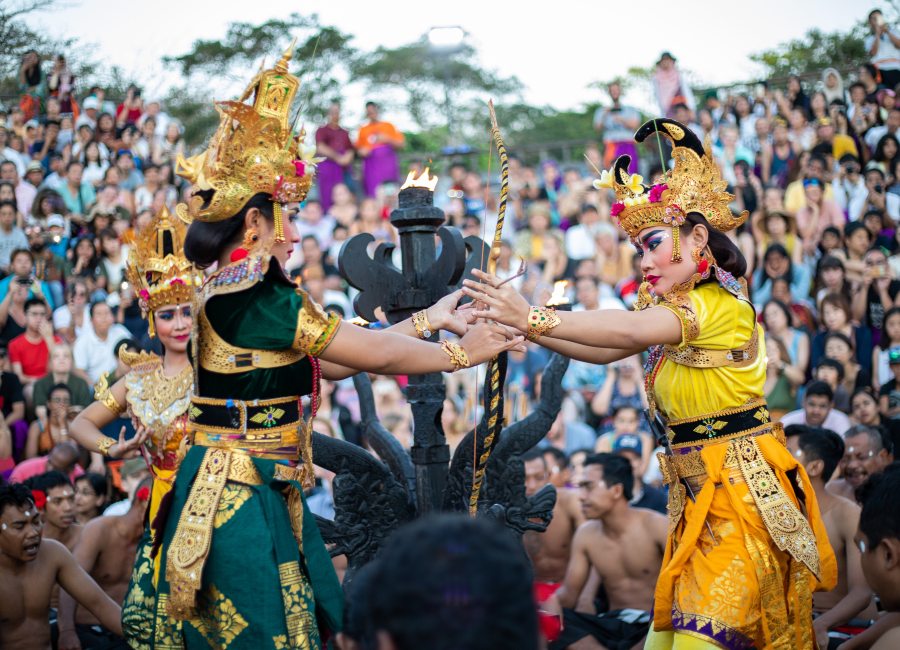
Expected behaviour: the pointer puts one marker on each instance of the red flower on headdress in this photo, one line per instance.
(144, 294)
(39, 498)
(175, 281)
(616, 209)
(300, 167)
(656, 192)
(143, 494)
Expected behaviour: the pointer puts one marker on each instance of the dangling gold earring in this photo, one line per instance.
(279, 223)
(151, 327)
(676, 243)
(696, 255)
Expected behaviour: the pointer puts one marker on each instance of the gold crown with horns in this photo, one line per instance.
(253, 151)
(695, 184)
(157, 268)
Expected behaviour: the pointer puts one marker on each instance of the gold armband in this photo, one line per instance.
(458, 356)
(424, 330)
(540, 321)
(103, 394)
(104, 444)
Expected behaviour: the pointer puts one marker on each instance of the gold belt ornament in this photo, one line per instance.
(696, 357)
(219, 356)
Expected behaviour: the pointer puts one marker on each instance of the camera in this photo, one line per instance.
(879, 188)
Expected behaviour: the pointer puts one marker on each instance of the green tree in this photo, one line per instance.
(320, 59)
(17, 38)
(806, 55)
(435, 87)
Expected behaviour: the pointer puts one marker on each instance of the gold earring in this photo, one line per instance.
(279, 223)
(676, 243)
(250, 238)
(696, 254)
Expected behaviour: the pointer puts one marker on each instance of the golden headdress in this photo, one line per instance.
(693, 185)
(253, 151)
(157, 268)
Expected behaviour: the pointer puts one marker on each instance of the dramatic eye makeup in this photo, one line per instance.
(650, 241)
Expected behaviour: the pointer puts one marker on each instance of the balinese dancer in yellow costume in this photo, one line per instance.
(746, 552)
(242, 563)
(156, 393)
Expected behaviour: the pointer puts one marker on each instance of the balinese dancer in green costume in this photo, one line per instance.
(242, 562)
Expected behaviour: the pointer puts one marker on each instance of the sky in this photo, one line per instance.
(556, 49)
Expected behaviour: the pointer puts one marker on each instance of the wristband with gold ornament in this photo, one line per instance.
(458, 356)
(424, 330)
(540, 321)
(104, 444)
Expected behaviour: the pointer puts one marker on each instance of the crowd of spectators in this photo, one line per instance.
(816, 165)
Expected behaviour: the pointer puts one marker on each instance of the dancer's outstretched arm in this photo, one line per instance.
(602, 328)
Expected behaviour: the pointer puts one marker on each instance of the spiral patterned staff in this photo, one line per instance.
(496, 375)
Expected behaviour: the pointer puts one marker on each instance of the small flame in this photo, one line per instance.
(422, 181)
(559, 297)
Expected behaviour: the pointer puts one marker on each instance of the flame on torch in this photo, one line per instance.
(422, 181)
(559, 297)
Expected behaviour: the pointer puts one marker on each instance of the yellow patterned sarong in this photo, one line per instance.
(740, 590)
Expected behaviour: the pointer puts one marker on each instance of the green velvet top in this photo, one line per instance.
(264, 311)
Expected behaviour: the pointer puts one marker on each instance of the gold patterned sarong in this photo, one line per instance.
(749, 584)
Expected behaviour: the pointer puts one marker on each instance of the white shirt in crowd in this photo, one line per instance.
(62, 318)
(846, 193)
(580, 243)
(95, 357)
(859, 200)
(836, 421)
(888, 56)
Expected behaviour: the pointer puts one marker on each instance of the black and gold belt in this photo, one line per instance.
(263, 428)
(721, 425)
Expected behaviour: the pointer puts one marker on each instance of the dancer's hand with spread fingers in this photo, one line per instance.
(497, 301)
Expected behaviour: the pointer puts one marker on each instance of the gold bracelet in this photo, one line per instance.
(424, 330)
(540, 321)
(458, 356)
(104, 444)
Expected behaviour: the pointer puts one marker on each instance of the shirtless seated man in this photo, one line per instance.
(549, 551)
(30, 568)
(106, 551)
(624, 545)
(820, 451)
